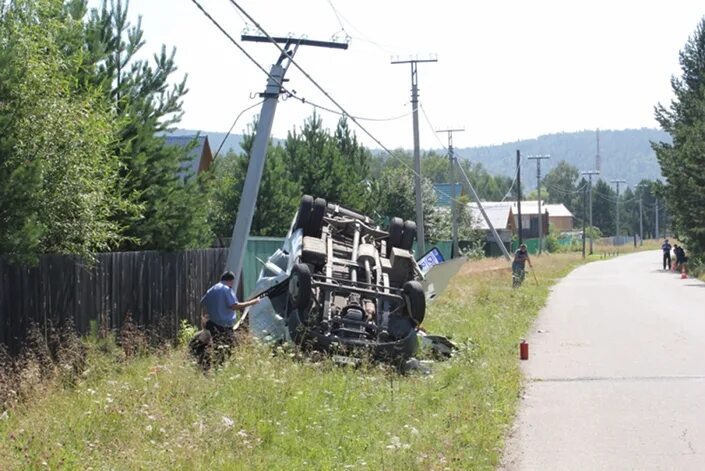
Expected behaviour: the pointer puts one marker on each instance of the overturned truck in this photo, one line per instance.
(343, 286)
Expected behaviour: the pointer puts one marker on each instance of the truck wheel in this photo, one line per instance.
(408, 236)
(415, 301)
(315, 224)
(396, 228)
(300, 287)
(303, 217)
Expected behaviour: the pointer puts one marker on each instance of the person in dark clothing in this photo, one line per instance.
(681, 259)
(521, 256)
(221, 305)
(666, 248)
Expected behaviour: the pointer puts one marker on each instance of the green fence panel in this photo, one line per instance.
(257, 247)
(532, 245)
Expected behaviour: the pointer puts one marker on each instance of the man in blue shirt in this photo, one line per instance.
(666, 247)
(221, 303)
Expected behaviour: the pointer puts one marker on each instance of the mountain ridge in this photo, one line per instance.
(625, 154)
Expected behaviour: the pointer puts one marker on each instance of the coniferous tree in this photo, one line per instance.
(683, 160)
(603, 207)
(167, 207)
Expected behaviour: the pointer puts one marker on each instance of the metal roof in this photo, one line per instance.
(532, 208)
(194, 156)
(498, 213)
(443, 191)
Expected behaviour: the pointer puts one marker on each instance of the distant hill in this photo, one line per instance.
(624, 154)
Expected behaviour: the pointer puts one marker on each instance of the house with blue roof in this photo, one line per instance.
(199, 157)
(443, 192)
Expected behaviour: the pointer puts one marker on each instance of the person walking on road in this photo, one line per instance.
(221, 305)
(666, 248)
(521, 256)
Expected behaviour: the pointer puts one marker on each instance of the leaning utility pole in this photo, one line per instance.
(590, 173)
(521, 240)
(417, 153)
(248, 200)
(453, 206)
(618, 181)
(538, 159)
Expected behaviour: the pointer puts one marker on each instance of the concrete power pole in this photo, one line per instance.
(421, 248)
(453, 206)
(248, 200)
(538, 159)
(520, 228)
(590, 173)
(618, 181)
(656, 228)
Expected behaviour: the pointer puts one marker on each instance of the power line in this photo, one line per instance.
(233, 125)
(321, 89)
(232, 40)
(292, 94)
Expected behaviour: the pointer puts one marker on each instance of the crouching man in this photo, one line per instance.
(221, 304)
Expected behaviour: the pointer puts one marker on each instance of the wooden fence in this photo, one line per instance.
(154, 288)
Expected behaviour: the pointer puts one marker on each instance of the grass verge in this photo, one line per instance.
(271, 410)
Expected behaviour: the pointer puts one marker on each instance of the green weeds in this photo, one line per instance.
(275, 409)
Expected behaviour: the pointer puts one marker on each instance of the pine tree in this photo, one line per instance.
(167, 211)
(682, 162)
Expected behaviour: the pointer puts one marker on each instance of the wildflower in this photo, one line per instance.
(228, 422)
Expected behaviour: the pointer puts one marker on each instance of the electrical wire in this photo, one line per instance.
(322, 90)
(340, 17)
(242, 49)
(360, 118)
(231, 128)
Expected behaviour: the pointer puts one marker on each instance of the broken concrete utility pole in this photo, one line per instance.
(248, 200)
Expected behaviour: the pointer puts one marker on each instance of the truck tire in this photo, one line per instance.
(415, 301)
(300, 287)
(303, 217)
(408, 235)
(396, 228)
(315, 224)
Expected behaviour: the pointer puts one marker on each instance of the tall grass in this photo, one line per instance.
(273, 409)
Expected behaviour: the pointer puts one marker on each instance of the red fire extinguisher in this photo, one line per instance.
(523, 350)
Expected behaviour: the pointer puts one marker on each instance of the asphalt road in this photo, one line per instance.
(616, 374)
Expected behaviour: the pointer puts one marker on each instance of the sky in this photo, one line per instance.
(506, 71)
